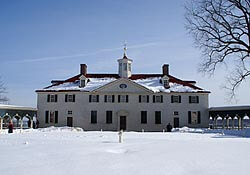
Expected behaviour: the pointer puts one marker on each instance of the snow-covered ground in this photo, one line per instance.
(66, 151)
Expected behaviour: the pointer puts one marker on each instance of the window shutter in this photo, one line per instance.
(105, 98)
(199, 117)
(172, 98)
(189, 117)
(55, 98)
(48, 98)
(126, 98)
(74, 98)
(197, 99)
(161, 98)
(189, 99)
(147, 98)
(56, 116)
(153, 98)
(179, 99)
(90, 98)
(139, 98)
(66, 97)
(113, 98)
(46, 116)
(97, 98)
(119, 98)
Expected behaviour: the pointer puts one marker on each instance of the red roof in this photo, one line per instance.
(133, 77)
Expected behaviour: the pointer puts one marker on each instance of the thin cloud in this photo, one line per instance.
(85, 54)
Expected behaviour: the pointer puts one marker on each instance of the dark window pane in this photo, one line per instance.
(157, 117)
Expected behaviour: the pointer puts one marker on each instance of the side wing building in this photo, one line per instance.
(127, 101)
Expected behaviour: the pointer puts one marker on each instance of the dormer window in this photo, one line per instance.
(165, 81)
(83, 81)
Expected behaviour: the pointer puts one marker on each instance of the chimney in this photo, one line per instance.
(165, 69)
(83, 69)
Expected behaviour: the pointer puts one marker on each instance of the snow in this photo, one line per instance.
(149, 83)
(155, 85)
(93, 84)
(72, 151)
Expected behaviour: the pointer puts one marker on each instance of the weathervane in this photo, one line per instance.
(125, 48)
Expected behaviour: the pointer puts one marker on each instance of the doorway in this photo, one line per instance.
(70, 121)
(176, 122)
(123, 123)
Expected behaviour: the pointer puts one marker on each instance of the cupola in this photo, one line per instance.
(124, 65)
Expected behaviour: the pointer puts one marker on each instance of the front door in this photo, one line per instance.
(70, 121)
(123, 123)
(176, 122)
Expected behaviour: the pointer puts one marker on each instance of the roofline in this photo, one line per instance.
(229, 108)
(37, 91)
(23, 108)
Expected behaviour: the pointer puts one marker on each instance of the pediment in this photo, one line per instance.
(123, 85)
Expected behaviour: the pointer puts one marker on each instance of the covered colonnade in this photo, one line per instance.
(229, 117)
(22, 117)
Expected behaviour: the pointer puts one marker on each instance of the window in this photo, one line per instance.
(193, 99)
(109, 98)
(129, 66)
(69, 97)
(165, 83)
(56, 116)
(122, 98)
(51, 117)
(51, 98)
(194, 117)
(120, 67)
(157, 117)
(158, 99)
(143, 98)
(70, 112)
(93, 117)
(94, 98)
(82, 83)
(46, 116)
(175, 99)
(176, 113)
(143, 117)
(125, 66)
(108, 117)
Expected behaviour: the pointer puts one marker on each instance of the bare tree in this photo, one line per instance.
(221, 29)
(3, 98)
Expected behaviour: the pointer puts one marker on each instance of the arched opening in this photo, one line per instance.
(219, 122)
(246, 121)
(26, 122)
(211, 122)
(16, 121)
(6, 120)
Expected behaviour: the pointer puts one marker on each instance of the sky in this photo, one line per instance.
(46, 40)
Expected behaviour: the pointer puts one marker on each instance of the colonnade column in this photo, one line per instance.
(239, 123)
(1, 125)
(31, 123)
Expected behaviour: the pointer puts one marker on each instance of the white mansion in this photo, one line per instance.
(127, 101)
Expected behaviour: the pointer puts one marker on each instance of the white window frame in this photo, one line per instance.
(70, 98)
(144, 99)
(158, 99)
(70, 112)
(52, 98)
(123, 99)
(109, 98)
(94, 98)
(194, 117)
(176, 99)
(194, 99)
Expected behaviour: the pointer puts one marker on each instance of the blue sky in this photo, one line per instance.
(47, 39)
